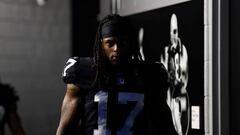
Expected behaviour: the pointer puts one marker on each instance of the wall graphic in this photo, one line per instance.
(174, 36)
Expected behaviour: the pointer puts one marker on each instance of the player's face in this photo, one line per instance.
(115, 49)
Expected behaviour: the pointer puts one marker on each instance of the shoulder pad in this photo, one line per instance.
(154, 66)
(161, 69)
(157, 70)
(79, 70)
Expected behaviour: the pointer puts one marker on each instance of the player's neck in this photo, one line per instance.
(123, 67)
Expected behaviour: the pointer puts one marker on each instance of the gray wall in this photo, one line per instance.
(105, 8)
(128, 7)
(34, 45)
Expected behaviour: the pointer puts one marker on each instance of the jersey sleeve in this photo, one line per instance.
(79, 71)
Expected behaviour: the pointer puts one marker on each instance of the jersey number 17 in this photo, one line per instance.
(123, 97)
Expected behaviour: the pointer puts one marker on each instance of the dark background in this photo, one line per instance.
(234, 67)
(190, 22)
(84, 26)
(156, 24)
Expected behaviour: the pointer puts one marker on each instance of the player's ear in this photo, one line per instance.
(101, 47)
(101, 43)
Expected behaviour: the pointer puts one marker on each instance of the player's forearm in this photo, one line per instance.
(69, 117)
(15, 124)
(61, 131)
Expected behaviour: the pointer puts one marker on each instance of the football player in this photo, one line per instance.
(115, 93)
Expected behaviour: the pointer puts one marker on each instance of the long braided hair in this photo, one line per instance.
(98, 57)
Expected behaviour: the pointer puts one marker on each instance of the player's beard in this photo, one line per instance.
(114, 59)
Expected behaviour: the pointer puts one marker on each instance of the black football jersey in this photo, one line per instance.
(134, 105)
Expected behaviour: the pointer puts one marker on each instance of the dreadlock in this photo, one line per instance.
(98, 58)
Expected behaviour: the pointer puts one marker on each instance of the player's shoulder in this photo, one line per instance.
(156, 75)
(153, 66)
(71, 66)
(79, 70)
(154, 69)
